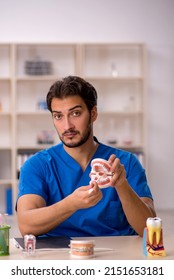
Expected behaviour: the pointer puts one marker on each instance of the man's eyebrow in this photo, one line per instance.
(71, 109)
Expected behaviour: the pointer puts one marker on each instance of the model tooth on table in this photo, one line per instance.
(154, 226)
(153, 238)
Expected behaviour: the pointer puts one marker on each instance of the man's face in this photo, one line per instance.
(72, 120)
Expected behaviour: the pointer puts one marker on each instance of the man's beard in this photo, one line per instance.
(83, 139)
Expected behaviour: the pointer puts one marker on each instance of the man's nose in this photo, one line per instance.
(68, 123)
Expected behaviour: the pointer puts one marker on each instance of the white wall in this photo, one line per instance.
(149, 21)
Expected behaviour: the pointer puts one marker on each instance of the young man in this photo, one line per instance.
(56, 196)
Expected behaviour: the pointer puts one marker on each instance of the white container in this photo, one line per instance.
(82, 249)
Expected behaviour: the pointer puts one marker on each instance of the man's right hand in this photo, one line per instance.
(86, 196)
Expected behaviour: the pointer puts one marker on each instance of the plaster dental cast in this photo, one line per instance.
(101, 172)
(60, 193)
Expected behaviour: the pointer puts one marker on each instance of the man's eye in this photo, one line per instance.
(76, 113)
(57, 117)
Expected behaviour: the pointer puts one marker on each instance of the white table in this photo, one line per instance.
(106, 248)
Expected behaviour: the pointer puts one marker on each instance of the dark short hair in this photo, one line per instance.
(71, 86)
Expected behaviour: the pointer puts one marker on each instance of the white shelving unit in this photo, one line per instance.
(118, 72)
(6, 122)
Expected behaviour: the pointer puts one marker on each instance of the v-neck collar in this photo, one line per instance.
(73, 163)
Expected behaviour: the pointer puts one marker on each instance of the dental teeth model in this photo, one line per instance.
(101, 172)
(153, 238)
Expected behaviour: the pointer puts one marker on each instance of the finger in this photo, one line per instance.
(94, 187)
(119, 170)
(85, 188)
(111, 159)
(93, 184)
(116, 166)
(91, 190)
(118, 176)
(95, 198)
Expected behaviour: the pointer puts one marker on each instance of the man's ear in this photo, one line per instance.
(94, 114)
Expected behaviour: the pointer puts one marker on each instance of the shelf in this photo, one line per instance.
(5, 114)
(62, 57)
(5, 61)
(122, 60)
(5, 148)
(37, 78)
(5, 182)
(121, 113)
(115, 79)
(5, 130)
(132, 148)
(35, 113)
(36, 147)
(55, 77)
(5, 79)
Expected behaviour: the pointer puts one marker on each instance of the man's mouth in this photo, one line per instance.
(69, 134)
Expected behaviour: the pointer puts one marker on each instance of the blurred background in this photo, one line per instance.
(73, 23)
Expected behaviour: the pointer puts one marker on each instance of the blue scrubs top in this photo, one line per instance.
(53, 174)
